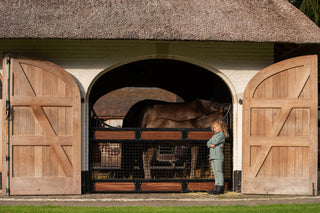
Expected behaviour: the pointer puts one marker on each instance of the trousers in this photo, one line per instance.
(217, 171)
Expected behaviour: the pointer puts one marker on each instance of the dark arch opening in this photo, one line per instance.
(184, 79)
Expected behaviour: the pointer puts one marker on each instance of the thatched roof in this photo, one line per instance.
(195, 20)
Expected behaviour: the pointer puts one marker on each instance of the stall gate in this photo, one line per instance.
(179, 161)
(42, 136)
(280, 122)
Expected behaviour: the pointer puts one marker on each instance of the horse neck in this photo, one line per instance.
(206, 120)
(204, 105)
(194, 123)
(201, 122)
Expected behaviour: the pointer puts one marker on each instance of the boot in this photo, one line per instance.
(220, 190)
(212, 191)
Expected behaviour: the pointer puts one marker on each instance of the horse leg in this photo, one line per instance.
(194, 156)
(147, 157)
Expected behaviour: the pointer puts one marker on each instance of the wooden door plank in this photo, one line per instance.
(41, 186)
(275, 170)
(306, 162)
(299, 121)
(301, 84)
(114, 135)
(283, 161)
(38, 161)
(41, 140)
(279, 121)
(278, 103)
(45, 125)
(24, 83)
(266, 185)
(165, 135)
(280, 141)
(114, 186)
(198, 135)
(63, 159)
(161, 186)
(257, 164)
(42, 100)
(298, 162)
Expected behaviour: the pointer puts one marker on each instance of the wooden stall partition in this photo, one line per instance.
(44, 128)
(280, 129)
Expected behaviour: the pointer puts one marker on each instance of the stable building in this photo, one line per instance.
(60, 58)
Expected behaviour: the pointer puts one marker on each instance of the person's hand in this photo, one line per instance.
(212, 146)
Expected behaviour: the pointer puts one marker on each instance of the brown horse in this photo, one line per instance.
(204, 121)
(148, 110)
(143, 112)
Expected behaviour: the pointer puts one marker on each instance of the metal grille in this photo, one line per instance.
(131, 155)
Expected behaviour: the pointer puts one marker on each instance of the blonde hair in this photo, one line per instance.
(223, 126)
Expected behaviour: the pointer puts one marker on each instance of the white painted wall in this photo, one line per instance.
(235, 63)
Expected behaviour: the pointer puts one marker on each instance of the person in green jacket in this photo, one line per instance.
(215, 145)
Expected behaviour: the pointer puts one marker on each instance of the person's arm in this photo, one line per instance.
(210, 141)
(218, 139)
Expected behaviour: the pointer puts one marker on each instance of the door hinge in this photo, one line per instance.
(7, 105)
(313, 189)
(7, 109)
(240, 101)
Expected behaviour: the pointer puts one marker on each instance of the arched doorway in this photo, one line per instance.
(184, 79)
(166, 79)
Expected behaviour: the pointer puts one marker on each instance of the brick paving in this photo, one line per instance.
(156, 199)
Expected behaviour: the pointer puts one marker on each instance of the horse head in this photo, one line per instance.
(205, 121)
(207, 106)
(211, 106)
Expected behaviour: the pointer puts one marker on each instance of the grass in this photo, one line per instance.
(292, 208)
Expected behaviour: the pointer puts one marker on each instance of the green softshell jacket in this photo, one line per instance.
(218, 140)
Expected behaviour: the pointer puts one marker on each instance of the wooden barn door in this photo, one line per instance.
(280, 129)
(44, 128)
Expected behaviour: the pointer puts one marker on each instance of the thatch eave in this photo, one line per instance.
(275, 21)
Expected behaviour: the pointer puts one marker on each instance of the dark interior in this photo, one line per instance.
(123, 160)
(184, 79)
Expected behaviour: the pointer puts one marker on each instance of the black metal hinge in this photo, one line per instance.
(138, 134)
(137, 186)
(7, 109)
(240, 101)
(184, 186)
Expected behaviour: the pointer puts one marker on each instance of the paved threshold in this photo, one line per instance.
(191, 199)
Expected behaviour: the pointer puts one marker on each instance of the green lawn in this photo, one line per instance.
(308, 208)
